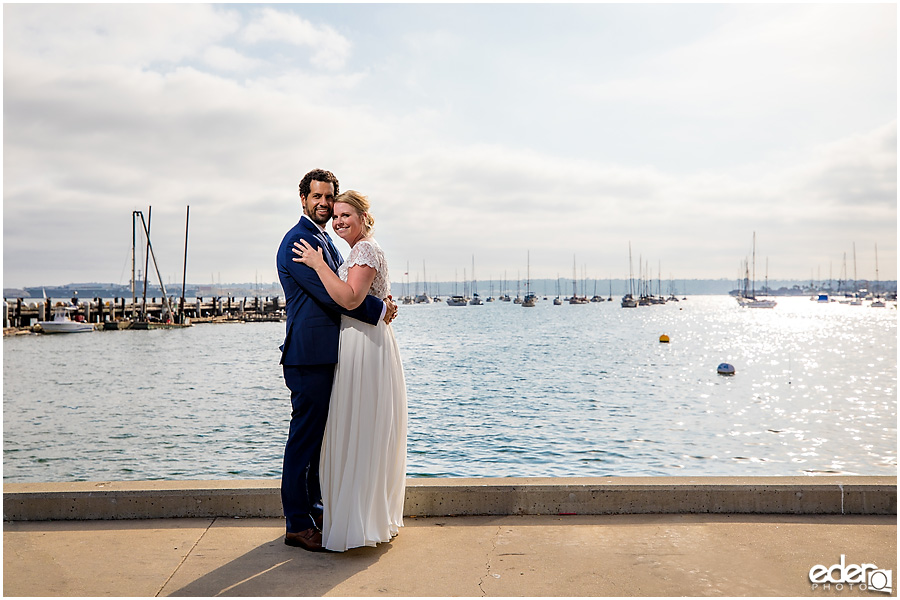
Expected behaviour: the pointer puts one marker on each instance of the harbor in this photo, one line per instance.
(493, 392)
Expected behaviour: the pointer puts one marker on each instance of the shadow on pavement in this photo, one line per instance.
(270, 569)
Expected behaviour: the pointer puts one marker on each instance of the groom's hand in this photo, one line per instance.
(391, 313)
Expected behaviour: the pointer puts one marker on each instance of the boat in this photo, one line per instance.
(878, 302)
(504, 295)
(423, 298)
(759, 303)
(747, 297)
(476, 299)
(628, 300)
(455, 299)
(530, 298)
(61, 322)
(576, 299)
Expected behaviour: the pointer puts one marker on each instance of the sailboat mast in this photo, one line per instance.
(162, 286)
(876, 270)
(133, 244)
(630, 272)
(753, 281)
(528, 272)
(187, 219)
(146, 260)
(574, 279)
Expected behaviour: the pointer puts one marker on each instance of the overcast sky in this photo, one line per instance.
(494, 130)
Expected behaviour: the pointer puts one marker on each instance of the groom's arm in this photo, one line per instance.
(370, 311)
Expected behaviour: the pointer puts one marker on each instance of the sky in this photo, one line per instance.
(530, 139)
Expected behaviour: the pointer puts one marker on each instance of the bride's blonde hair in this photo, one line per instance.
(361, 204)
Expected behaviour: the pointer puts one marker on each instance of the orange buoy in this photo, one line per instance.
(664, 339)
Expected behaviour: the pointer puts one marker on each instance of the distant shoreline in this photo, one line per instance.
(542, 287)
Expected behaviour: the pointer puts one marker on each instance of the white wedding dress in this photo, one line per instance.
(363, 463)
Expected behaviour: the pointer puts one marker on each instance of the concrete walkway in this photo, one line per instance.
(593, 555)
(508, 537)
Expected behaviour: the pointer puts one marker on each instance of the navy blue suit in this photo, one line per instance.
(308, 357)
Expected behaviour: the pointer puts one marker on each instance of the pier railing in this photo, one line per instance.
(23, 313)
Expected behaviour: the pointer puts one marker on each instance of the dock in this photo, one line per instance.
(22, 315)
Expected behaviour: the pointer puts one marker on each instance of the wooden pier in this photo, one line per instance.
(121, 313)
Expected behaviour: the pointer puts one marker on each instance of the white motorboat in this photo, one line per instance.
(61, 322)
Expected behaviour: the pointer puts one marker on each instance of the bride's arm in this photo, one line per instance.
(348, 294)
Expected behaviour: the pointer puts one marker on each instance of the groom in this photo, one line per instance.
(309, 355)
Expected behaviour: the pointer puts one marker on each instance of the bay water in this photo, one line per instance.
(498, 390)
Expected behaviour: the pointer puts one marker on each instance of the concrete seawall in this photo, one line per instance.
(834, 495)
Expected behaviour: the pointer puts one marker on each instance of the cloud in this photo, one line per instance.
(221, 58)
(75, 35)
(228, 127)
(330, 49)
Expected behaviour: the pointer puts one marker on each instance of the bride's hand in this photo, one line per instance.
(306, 254)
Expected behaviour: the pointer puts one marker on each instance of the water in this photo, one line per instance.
(495, 390)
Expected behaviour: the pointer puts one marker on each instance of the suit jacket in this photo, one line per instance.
(313, 318)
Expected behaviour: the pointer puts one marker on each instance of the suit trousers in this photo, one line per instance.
(300, 489)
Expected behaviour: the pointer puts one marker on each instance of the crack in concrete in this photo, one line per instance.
(189, 552)
(487, 566)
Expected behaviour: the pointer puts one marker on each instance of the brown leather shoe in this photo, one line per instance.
(309, 539)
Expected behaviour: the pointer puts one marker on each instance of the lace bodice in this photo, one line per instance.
(369, 253)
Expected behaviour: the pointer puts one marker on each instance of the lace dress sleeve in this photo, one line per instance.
(370, 254)
(364, 253)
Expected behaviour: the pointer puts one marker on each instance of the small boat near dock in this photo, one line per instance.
(61, 322)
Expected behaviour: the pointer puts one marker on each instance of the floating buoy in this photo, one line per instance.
(725, 369)
(664, 339)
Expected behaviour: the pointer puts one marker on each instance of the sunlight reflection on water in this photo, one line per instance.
(495, 390)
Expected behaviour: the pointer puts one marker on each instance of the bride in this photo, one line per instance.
(363, 462)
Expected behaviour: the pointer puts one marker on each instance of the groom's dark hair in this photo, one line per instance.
(318, 175)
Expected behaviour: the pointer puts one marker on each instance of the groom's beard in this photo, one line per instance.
(317, 218)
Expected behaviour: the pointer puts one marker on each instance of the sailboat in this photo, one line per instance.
(576, 299)
(167, 315)
(529, 297)
(878, 302)
(407, 299)
(504, 296)
(456, 299)
(597, 297)
(557, 301)
(628, 300)
(476, 299)
(751, 301)
(423, 298)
